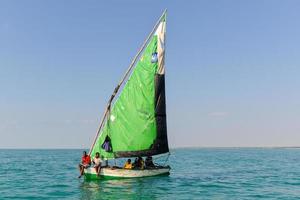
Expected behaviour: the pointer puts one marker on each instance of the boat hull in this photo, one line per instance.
(117, 173)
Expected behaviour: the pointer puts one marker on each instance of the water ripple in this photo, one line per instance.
(245, 173)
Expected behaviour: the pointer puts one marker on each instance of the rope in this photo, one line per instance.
(165, 160)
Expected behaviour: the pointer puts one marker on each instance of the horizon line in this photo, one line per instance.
(172, 148)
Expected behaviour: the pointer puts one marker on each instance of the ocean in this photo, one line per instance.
(197, 173)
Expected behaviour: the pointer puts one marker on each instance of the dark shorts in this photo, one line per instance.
(84, 165)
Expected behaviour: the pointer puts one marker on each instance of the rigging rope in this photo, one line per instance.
(158, 157)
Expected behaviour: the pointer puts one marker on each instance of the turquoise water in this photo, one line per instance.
(205, 173)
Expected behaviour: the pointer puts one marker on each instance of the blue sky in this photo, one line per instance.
(232, 69)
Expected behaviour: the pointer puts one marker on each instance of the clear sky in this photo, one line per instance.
(233, 69)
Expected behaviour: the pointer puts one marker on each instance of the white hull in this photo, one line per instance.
(125, 173)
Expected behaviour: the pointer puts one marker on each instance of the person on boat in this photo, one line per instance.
(97, 163)
(128, 164)
(85, 163)
(140, 163)
(135, 164)
(149, 162)
(107, 144)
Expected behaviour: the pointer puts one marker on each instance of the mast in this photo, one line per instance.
(124, 78)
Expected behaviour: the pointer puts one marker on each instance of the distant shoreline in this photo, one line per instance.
(173, 148)
(250, 147)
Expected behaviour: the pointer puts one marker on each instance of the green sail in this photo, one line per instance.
(131, 123)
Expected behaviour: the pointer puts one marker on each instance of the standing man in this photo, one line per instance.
(85, 163)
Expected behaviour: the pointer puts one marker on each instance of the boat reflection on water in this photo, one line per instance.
(146, 188)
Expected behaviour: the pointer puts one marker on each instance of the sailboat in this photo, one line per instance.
(134, 121)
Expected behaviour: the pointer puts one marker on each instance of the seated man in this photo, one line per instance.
(135, 164)
(97, 163)
(85, 163)
(149, 162)
(128, 164)
(140, 163)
